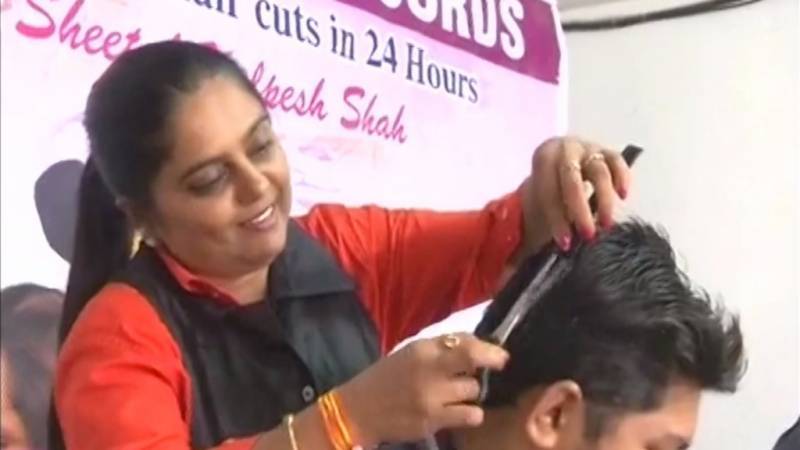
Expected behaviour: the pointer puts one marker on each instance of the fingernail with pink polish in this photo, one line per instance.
(565, 242)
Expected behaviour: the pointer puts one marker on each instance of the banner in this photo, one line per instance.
(401, 103)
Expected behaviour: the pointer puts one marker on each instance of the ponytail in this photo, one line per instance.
(102, 245)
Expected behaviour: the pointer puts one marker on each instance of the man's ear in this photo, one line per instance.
(554, 415)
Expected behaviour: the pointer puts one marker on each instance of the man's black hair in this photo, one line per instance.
(622, 323)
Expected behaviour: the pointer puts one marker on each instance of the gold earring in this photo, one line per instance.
(136, 242)
(149, 240)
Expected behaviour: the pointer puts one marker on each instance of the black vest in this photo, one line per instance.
(251, 365)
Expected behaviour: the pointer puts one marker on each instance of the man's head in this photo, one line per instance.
(29, 316)
(615, 355)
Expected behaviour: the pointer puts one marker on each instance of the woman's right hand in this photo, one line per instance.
(427, 386)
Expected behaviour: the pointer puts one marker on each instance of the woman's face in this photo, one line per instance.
(222, 198)
(12, 431)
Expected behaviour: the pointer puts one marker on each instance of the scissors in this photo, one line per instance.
(519, 296)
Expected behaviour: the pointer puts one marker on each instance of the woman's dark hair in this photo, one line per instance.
(127, 121)
(30, 315)
(622, 323)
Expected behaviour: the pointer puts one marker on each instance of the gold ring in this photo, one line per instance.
(597, 156)
(451, 341)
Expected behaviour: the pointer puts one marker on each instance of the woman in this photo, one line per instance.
(237, 327)
(30, 315)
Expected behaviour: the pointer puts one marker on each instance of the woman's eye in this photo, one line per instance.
(208, 181)
(262, 151)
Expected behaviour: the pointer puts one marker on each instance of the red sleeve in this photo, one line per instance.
(414, 268)
(120, 382)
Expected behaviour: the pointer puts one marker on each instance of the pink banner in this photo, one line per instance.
(516, 34)
(401, 103)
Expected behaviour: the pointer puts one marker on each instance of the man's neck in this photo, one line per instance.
(501, 430)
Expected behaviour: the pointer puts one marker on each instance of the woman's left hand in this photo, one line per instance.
(554, 197)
